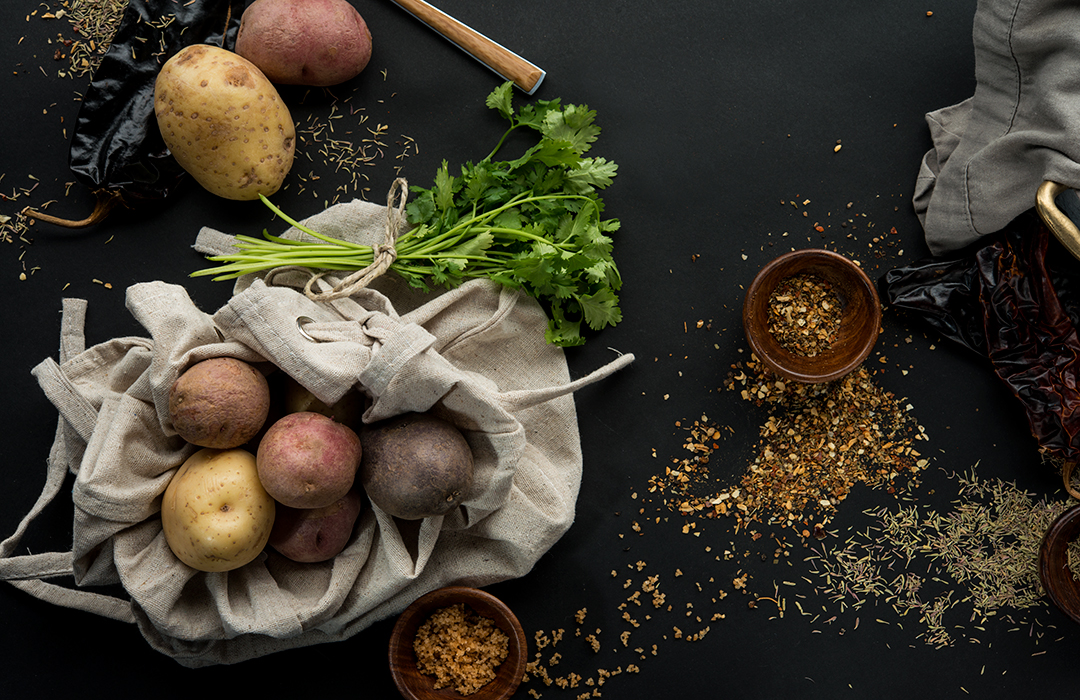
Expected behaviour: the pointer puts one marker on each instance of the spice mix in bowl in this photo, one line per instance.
(457, 642)
(811, 315)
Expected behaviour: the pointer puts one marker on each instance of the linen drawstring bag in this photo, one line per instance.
(475, 354)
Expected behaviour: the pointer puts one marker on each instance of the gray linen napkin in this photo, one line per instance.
(1022, 126)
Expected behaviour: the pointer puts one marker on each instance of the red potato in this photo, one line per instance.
(316, 534)
(305, 42)
(307, 460)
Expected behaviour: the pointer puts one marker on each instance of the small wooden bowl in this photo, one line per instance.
(1054, 572)
(859, 325)
(414, 685)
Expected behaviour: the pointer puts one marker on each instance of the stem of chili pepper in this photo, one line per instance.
(106, 201)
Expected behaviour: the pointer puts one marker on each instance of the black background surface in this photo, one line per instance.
(719, 116)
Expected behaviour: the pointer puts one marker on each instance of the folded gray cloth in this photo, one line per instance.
(1022, 126)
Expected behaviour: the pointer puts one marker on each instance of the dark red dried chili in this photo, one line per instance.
(1000, 300)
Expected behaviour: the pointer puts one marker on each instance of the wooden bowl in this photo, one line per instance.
(1054, 572)
(414, 685)
(859, 325)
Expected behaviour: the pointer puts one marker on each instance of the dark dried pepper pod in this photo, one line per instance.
(116, 149)
(944, 293)
(1002, 301)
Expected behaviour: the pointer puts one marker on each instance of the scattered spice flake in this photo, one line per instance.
(817, 443)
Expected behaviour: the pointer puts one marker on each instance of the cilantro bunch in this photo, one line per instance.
(533, 223)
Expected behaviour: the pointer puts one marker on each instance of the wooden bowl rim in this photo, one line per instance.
(780, 360)
(484, 603)
(1062, 589)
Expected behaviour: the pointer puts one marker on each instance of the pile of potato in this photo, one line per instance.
(285, 478)
(218, 110)
(291, 481)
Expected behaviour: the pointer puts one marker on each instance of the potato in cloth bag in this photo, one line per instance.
(475, 355)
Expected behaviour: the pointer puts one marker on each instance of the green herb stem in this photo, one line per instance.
(532, 223)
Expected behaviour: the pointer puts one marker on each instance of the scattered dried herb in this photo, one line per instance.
(340, 144)
(804, 314)
(951, 571)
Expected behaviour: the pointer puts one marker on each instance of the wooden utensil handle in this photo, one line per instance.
(495, 56)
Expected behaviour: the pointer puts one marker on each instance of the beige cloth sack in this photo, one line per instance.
(475, 354)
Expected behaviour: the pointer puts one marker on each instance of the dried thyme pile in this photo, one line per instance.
(950, 572)
(94, 23)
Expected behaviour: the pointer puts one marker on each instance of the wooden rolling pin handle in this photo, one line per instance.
(497, 57)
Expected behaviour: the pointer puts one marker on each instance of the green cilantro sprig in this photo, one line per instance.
(533, 223)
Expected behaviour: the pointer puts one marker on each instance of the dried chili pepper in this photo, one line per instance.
(116, 148)
(1000, 300)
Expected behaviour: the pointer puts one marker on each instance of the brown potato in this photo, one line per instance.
(221, 403)
(307, 460)
(224, 122)
(316, 534)
(305, 42)
(416, 466)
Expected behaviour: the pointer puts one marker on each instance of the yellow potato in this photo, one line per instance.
(215, 513)
(224, 122)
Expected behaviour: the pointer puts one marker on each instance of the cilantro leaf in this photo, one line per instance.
(573, 125)
(502, 99)
(534, 115)
(444, 189)
(600, 309)
(562, 331)
(591, 173)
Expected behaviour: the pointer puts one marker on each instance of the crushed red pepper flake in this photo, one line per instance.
(817, 443)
